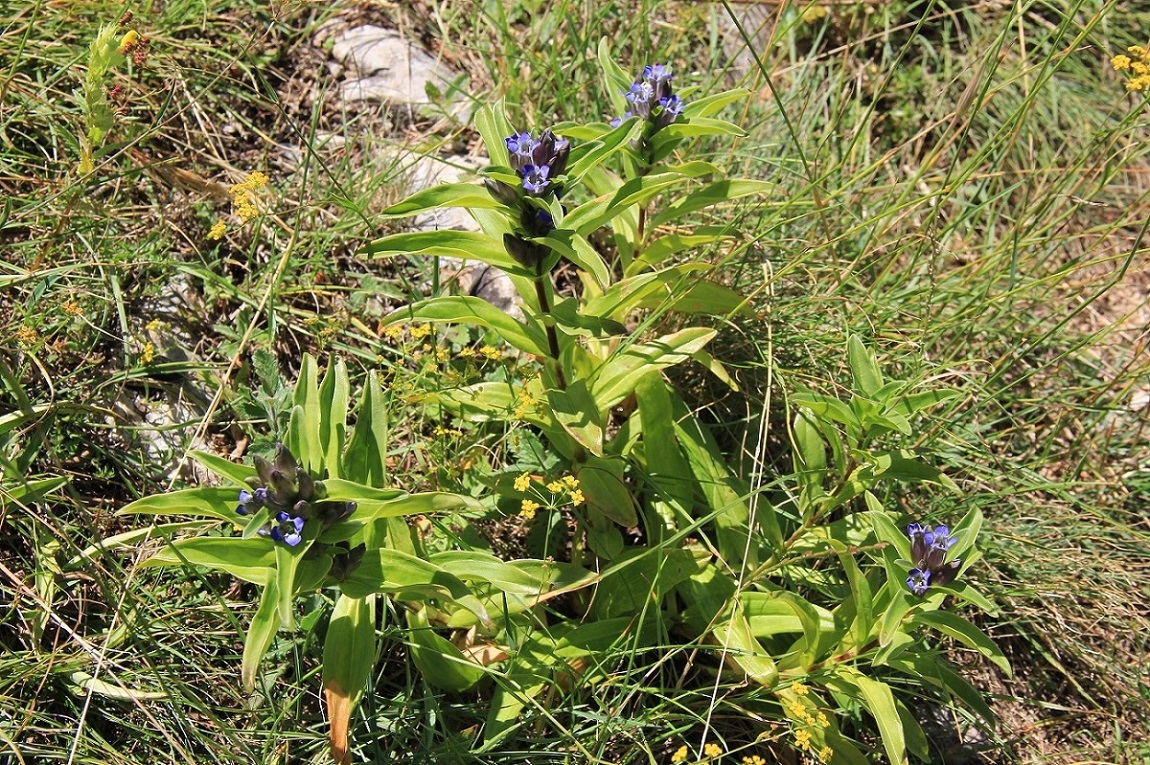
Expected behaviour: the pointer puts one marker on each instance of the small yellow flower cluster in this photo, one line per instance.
(440, 431)
(148, 353)
(524, 404)
(27, 336)
(568, 485)
(244, 195)
(72, 308)
(754, 759)
(712, 751)
(527, 509)
(129, 41)
(680, 754)
(219, 228)
(1138, 64)
(797, 709)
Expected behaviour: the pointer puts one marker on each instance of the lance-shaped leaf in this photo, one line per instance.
(601, 480)
(234, 472)
(334, 397)
(408, 577)
(733, 633)
(475, 311)
(467, 195)
(580, 252)
(665, 246)
(591, 215)
(964, 632)
(348, 657)
(465, 245)
(620, 374)
(442, 664)
(711, 105)
(252, 560)
(577, 411)
(712, 194)
(585, 157)
(201, 503)
(366, 459)
(879, 701)
(261, 632)
(304, 424)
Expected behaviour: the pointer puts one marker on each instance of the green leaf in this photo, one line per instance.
(349, 651)
(465, 245)
(601, 480)
(261, 632)
(334, 395)
(713, 104)
(366, 459)
(640, 578)
(130, 538)
(304, 424)
(442, 664)
(202, 503)
(580, 252)
(902, 466)
(492, 124)
(665, 246)
(467, 195)
(529, 581)
(589, 216)
(252, 560)
(620, 374)
(864, 367)
(476, 312)
(588, 156)
(577, 412)
(233, 471)
(712, 194)
(734, 635)
(964, 632)
(879, 701)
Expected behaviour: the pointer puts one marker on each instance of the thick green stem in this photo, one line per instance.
(549, 326)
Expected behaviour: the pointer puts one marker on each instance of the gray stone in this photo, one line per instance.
(381, 66)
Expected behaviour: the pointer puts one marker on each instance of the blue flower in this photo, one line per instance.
(287, 529)
(537, 162)
(535, 179)
(918, 581)
(928, 549)
(652, 98)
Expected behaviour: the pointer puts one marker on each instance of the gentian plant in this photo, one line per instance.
(808, 590)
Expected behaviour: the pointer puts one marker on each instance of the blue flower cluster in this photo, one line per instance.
(291, 498)
(928, 549)
(652, 98)
(538, 163)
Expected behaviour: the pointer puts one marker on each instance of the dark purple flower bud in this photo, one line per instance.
(502, 192)
(918, 581)
(331, 513)
(523, 252)
(303, 509)
(946, 573)
(260, 497)
(263, 469)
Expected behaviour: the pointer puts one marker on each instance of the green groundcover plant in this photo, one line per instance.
(817, 594)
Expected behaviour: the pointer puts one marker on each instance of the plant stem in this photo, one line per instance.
(549, 326)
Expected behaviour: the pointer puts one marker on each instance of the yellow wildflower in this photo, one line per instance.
(129, 41)
(420, 331)
(712, 750)
(527, 509)
(467, 353)
(155, 325)
(802, 739)
(1120, 62)
(27, 336)
(555, 487)
(72, 308)
(825, 754)
(680, 754)
(814, 13)
(823, 721)
(800, 689)
(754, 759)
(147, 353)
(570, 481)
(796, 709)
(218, 229)
(523, 482)
(491, 352)
(577, 498)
